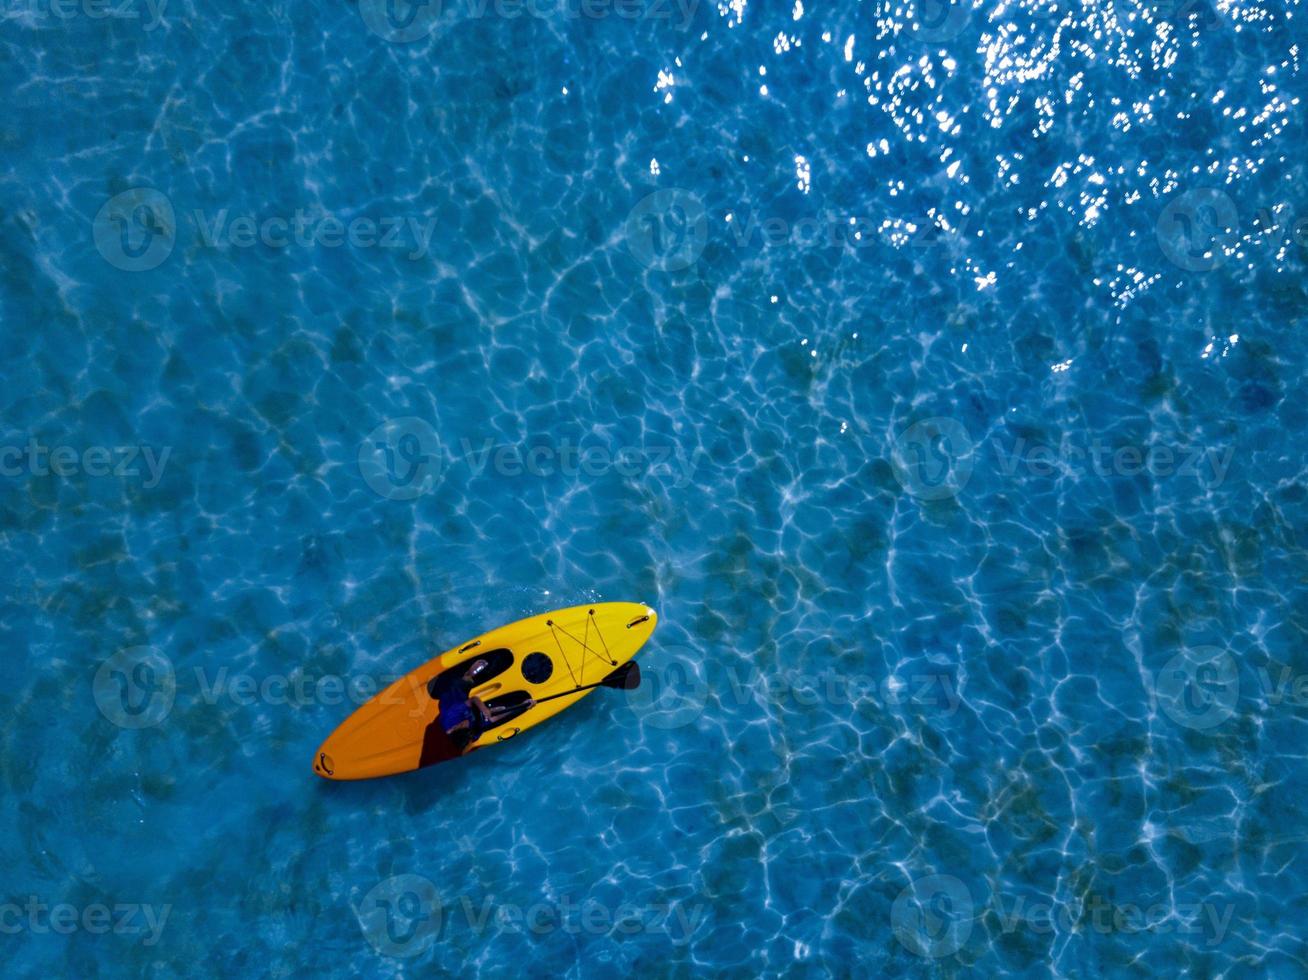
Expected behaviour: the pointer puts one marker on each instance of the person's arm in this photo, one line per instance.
(503, 710)
(489, 714)
(479, 706)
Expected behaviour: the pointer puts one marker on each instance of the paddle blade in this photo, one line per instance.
(625, 678)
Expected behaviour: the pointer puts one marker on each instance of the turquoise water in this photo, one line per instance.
(935, 372)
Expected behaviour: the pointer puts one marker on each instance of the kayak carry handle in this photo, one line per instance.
(469, 646)
(638, 621)
(505, 736)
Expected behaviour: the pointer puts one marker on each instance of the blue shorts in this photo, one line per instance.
(455, 710)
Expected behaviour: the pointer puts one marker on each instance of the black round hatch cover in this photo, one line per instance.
(537, 668)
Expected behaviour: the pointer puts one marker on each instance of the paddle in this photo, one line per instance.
(625, 678)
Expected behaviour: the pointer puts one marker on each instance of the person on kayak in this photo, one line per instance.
(464, 716)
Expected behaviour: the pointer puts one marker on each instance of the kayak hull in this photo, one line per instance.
(398, 729)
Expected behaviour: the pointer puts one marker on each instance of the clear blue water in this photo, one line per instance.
(946, 400)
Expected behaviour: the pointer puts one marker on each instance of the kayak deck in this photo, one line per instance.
(398, 729)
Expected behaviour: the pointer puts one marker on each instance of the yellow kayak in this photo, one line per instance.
(521, 674)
